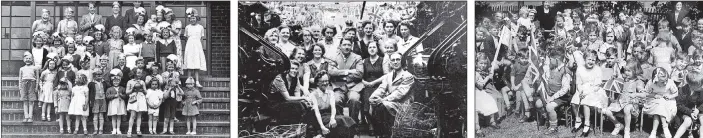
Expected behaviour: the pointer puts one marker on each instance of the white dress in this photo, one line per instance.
(131, 51)
(154, 97)
(194, 55)
(78, 100)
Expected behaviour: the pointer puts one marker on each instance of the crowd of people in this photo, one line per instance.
(611, 62)
(355, 65)
(127, 66)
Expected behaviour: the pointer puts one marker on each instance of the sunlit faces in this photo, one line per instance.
(388, 27)
(560, 21)
(285, 33)
(323, 82)
(622, 16)
(628, 73)
(69, 14)
(389, 47)
(307, 36)
(329, 33)
(28, 59)
(65, 64)
(71, 49)
(317, 51)
(368, 29)
(300, 55)
(679, 6)
(140, 64)
(700, 24)
(293, 72)
(662, 75)
(590, 60)
(130, 39)
(159, 16)
(52, 64)
(140, 19)
(121, 61)
(395, 60)
(498, 16)
(373, 48)
(494, 31)
(592, 36)
(45, 16)
(89, 48)
(165, 33)
(637, 18)
(91, 8)
(531, 16)
(350, 34)
(38, 41)
(610, 37)
(273, 38)
(346, 46)
(168, 17)
(404, 30)
(482, 64)
(115, 9)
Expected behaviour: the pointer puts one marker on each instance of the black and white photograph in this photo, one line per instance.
(588, 69)
(352, 69)
(115, 68)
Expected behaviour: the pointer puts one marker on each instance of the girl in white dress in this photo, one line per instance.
(79, 103)
(661, 102)
(194, 56)
(131, 49)
(589, 94)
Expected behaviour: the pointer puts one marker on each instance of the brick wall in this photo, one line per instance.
(220, 29)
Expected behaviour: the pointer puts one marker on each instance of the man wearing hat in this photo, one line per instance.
(116, 19)
(88, 21)
(131, 14)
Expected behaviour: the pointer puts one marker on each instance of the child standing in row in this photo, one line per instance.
(154, 97)
(97, 100)
(48, 82)
(137, 100)
(191, 100)
(63, 100)
(115, 95)
(28, 86)
(79, 103)
(173, 94)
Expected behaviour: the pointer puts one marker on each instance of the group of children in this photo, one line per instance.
(610, 63)
(90, 75)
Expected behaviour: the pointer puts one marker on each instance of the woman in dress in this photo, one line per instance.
(389, 34)
(136, 90)
(407, 40)
(317, 66)
(328, 111)
(285, 43)
(44, 24)
(367, 35)
(329, 42)
(132, 50)
(116, 44)
(195, 61)
(661, 102)
(308, 41)
(48, 81)
(373, 71)
(79, 104)
(68, 26)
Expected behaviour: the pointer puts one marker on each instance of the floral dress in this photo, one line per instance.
(631, 95)
(63, 100)
(48, 79)
(115, 51)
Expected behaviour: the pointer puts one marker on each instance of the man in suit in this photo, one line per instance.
(347, 75)
(131, 15)
(116, 19)
(391, 95)
(121, 65)
(88, 21)
(676, 17)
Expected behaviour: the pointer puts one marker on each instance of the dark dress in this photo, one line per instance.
(372, 71)
(276, 106)
(165, 49)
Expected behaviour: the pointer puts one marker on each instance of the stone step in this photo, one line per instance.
(16, 127)
(206, 92)
(208, 103)
(208, 115)
(114, 136)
